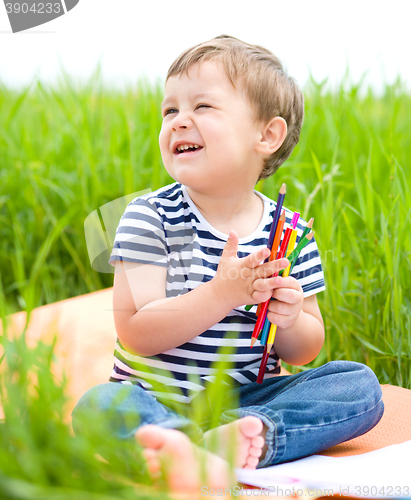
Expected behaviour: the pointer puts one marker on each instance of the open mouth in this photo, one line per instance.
(187, 148)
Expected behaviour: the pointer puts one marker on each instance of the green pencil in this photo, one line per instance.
(307, 228)
(295, 253)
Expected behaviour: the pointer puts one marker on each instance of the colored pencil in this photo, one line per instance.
(291, 245)
(263, 364)
(301, 244)
(273, 328)
(269, 330)
(264, 332)
(308, 227)
(277, 237)
(294, 220)
(306, 230)
(271, 337)
(273, 245)
(294, 258)
(263, 312)
(274, 250)
(277, 213)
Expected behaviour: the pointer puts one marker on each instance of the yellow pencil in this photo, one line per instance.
(271, 337)
(291, 245)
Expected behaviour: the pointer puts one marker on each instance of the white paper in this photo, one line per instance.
(384, 473)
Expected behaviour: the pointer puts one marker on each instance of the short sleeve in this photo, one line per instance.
(140, 235)
(308, 270)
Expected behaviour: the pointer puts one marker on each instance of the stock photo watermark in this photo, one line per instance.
(100, 230)
(281, 491)
(26, 14)
(239, 491)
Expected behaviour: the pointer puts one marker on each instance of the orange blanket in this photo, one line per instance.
(85, 343)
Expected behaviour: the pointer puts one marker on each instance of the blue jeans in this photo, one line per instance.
(304, 413)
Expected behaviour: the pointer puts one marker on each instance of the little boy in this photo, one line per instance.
(190, 256)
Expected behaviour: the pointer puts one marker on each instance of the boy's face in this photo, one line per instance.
(204, 110)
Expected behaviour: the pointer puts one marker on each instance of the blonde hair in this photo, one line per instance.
(268, 87)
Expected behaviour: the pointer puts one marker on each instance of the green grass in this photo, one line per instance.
(40, 457)
(67, 150)
(351, 173)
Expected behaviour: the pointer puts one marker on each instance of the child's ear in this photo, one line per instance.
(272, 136)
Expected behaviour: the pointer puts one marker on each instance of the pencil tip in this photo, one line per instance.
(252, 342)
(310, 236)
(269, 346)
(294, 220)
(283, 188)
(310, 222)
(282, 216)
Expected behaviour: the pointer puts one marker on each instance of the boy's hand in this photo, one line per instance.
(246, 280)
(284, 311)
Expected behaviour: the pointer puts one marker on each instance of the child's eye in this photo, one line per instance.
(169, 111)
(203, 106)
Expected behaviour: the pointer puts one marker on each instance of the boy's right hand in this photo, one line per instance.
(240, 281)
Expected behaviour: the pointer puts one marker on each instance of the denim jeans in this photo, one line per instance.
(304, 413)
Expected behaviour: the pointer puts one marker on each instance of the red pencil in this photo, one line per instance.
(263, 364)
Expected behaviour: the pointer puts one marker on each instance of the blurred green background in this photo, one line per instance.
(69, 149)
(66, 151)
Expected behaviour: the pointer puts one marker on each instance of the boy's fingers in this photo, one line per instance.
(274, 266)
(283, 296)
(287, 282)
(231, 247)
(255, 258)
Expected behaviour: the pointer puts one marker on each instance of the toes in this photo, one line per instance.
(251, 463)
(250, 426)
(153, 463)
(249, 441)
(255, 452)
(258, 442)
(154, 467)
(151, 455)
(150, 436)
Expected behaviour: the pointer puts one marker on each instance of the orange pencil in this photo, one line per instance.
(277, 237)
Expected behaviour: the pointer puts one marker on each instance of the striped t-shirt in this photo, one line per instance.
(165, 228)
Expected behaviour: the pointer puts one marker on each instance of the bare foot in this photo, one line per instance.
(242, 438)
(184, 466)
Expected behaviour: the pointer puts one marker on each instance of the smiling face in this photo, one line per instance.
(209, 133)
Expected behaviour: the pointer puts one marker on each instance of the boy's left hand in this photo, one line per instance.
(284, 311)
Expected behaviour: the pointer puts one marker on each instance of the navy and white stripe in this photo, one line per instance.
(165, 228)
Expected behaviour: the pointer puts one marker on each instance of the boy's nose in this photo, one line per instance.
(181, 121)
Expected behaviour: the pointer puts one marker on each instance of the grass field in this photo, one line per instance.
(66, 151)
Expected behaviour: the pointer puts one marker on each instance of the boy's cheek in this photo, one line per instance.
(163, 143)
